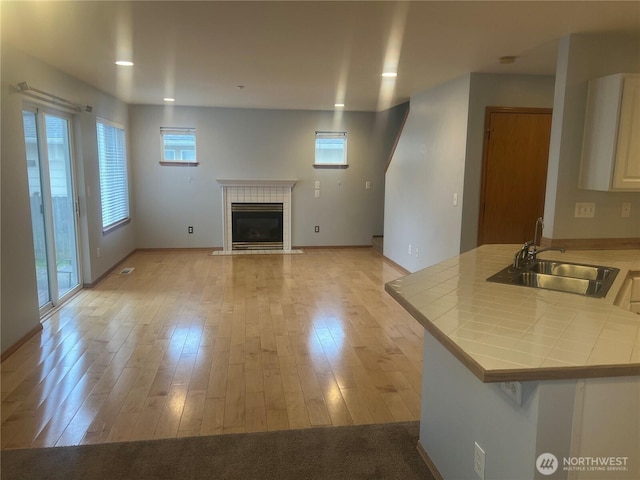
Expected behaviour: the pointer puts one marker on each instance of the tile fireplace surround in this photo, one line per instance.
(257, 191)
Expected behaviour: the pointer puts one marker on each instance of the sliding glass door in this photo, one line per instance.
(53, 205)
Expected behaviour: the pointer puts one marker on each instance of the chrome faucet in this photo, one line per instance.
(521, 257)
(536, 251)
(529, 251)
(535, 233)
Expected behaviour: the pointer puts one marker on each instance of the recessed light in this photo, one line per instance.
(389, 74)
(124, 63)
(339, 105)
(169, 99)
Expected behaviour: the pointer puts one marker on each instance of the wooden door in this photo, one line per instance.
(514, 173)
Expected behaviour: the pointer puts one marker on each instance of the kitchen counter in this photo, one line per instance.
(513, 333)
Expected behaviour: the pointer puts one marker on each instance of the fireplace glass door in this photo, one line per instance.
(256, 226)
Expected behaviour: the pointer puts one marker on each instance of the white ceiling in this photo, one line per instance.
(297, 54)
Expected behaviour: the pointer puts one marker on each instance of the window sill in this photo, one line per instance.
(179, 164)
(116, 226)
(336, 166)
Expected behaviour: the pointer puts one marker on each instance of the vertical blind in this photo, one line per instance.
(114, 188)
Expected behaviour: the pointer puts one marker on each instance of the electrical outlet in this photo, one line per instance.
(513, 391)
(478, 461)
(190, 229)
(317, 229)
(317, 193)
(317, 184)
(585, 210)
(367, 185)
(626, 209)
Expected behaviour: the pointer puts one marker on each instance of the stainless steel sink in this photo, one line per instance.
(589, 280)
(574, 270)
(559, 283)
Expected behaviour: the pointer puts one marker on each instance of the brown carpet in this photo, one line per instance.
(359, 452)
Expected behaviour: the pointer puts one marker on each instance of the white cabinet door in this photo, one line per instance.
(626, 170)
(611, 143)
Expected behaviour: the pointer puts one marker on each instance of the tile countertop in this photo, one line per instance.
(513, 333)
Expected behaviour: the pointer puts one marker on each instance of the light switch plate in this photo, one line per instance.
(585, 210)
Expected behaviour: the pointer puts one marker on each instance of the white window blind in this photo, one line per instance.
(331, 149)
(114, 185)
(178, 145)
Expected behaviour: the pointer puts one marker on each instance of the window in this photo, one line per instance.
(114, 185)
(178, 146)
(331, 149)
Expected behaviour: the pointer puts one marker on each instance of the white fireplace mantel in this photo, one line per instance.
(256, 183)
(256, 191)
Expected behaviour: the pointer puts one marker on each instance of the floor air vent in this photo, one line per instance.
(126, 271)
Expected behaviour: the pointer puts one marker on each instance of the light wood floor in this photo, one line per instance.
(192, 344)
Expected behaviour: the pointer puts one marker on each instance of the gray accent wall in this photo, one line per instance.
(487, 90)
(595, 417)
(164, 201)
(459, 410)
(426, 170)
(245, 144)
(20, 313)
(19, 302)
(439, 154)
(580, 59)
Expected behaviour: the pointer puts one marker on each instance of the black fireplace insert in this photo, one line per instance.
(256, 226)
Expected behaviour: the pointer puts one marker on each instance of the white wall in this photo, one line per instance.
(580, 59)
(19, 292)
(258, 144)
(426, 170)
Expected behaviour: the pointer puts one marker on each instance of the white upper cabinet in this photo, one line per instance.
(611, 145)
